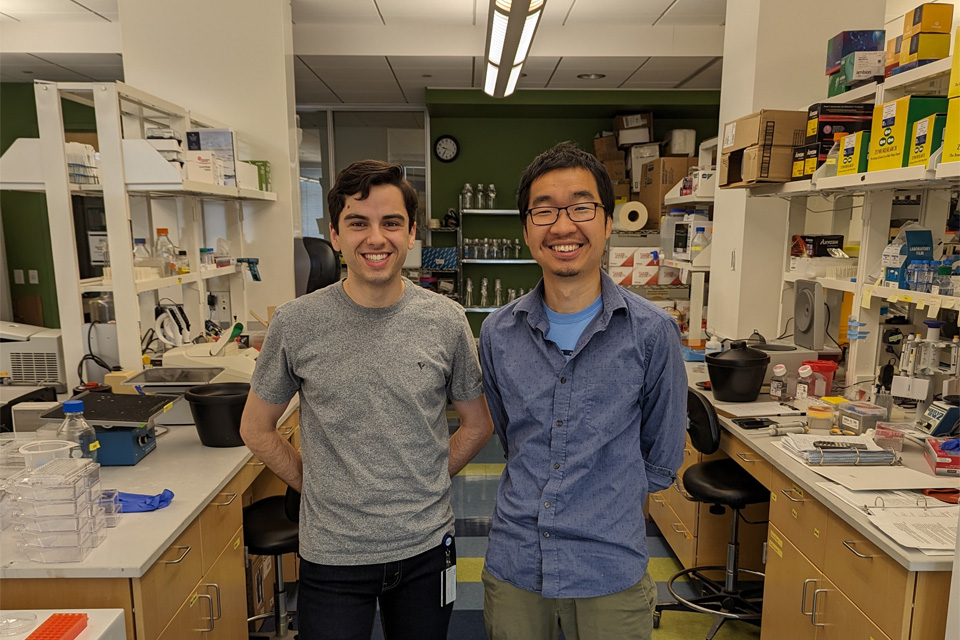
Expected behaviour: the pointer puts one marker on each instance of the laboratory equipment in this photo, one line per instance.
(173, 381)
(466, 197)
(217, 409)
(32, 355)
(942, 418)
(782, 428)
(781, 384)
(820, 416)
(484, 301)
(810, 384)
(491, 196)
(252, 265)
(75, 429)
(928, 367)
(699, 243)
(468, 299)
(238, 364)
(859, 416)
(183, 264)
(497, 293)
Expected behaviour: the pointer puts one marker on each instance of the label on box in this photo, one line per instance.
(669, 275)
(889, 117)
(622, 256)
(621, 275)
(637, 120)
(646, 275)
(729, 134)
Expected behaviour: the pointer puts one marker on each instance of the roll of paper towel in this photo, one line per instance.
(629, 216)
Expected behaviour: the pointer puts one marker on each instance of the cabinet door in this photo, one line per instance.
(219, 520)
(226, 583)
(190, 619)
(798, 516)
(787, 591)
(838, 619)
(681, 540)
(158, 594)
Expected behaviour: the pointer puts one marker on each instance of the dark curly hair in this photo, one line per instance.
(566, 155)
(359, 177)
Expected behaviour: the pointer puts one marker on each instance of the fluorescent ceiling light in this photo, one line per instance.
(491, 81)
(529, 26)
(497, 35)
(512, 81)
(511, 27)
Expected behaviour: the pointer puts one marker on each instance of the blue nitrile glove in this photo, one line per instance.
(950, 445)
(137, 502)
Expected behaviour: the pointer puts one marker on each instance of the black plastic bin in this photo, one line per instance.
(217, 409)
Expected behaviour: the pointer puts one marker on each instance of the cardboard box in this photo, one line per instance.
(248, 175)
(621, 256)
(755, 164)
(640, 153)
(605, 147)
(680, 142)
(892, 58)
(892, 125)
(646, 257)
(846, 42)
(260, 580)
(633, 129)
(896, 258)
(811, 158)
(837, 84)
(203, 166)
(646, 275)
(796, 168)
(656, 179)
(927, 136)
(862, 65)
(854, 150)
(616, 168)
(942, 463)
(630, 137)
(767, 127)
(223, 142)
(815, 246)
(621, 275)
(668, 275)
(953, 91)
(951, 132)
(621, 191)
(828, 122)
(929, 17)
(925, 46)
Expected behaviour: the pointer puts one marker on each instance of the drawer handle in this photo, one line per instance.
(656, 498)
(233, 497)
(287, 431)
(849, 545)
(676, 485)
(682, 529)
(813, 610)
(803, 597)
(253, 463)
(219, 603)
(185, 550)
(789, 497)
(210, 599)
(742, 455)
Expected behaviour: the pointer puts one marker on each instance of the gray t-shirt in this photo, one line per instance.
(373, 387)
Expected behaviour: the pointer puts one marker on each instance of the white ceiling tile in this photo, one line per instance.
(709, 78)
(695, 12)
(348, 63)
(335, 11)
(623, 12)
(437, 77)
(430, 62)
(553, 14)
(40, 6)
(101, 6)
(680, 64)
(377, 96)
(73, 17)
(569, 80)
(4, 18)
(598, 65)
(437, 12)
(74, 60)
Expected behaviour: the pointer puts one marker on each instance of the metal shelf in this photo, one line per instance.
(914, 297)
(480, 309)
(488, 261)
(490, 212)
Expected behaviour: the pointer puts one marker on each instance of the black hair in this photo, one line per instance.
(359, 178)
(565, 155)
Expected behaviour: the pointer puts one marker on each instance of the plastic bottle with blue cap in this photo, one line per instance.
(75, 429)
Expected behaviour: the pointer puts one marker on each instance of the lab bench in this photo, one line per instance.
(866, 584)
(170, 570)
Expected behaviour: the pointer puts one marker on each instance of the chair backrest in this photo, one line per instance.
(702, 423)
(316, 264)
(291, 505)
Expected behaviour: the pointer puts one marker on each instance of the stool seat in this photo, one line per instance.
(723, 482)
(266, 529)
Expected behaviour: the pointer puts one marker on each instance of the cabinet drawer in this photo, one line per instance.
(857, 567)
(685, 509)
(747, 458)
(840, 618)
(219, 520)
(799, 516)
(248, 474)
(681, 540)
(159, 593)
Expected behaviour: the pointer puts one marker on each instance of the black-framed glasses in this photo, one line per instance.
(579, 212)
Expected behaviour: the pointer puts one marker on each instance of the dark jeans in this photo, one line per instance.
(339, 602)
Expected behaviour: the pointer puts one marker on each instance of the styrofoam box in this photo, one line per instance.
(248, 175)
(621, 275)
(646, 275)
(166, 144)
(640, 153)
(669, 275)
(622, 256)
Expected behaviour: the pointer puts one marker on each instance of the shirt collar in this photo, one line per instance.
(532, 305)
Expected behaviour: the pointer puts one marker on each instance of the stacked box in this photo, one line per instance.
(759, 148)
(605, 147)
(862, 66)
(827, 123)
(656, 179)
(926, 137)
(892, 60)
(846, 42)
(641, 154)
(951, 132)
(616, 168)
(924, 47)
(954, 90)
(633, 129)
(929, 17)
(853, 153)
(892, 125)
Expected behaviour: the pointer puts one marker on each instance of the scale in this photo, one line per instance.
(124, 424)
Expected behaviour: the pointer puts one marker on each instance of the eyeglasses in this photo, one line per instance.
(579, 212)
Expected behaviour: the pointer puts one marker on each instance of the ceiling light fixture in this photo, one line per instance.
(511, 25)
(591, 76)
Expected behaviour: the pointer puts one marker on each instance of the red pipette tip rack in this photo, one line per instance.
(60, 626)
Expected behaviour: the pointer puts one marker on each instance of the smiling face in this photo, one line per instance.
(566, 249)
(374, 238)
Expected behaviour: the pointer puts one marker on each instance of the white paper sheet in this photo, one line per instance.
(869, 500)
(755, 409)
(918, 528)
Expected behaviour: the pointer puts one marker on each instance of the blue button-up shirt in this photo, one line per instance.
(585, 441)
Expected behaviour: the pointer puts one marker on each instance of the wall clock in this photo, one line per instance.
(446, 148)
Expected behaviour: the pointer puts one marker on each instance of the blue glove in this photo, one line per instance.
(137, 502)
(951, 445)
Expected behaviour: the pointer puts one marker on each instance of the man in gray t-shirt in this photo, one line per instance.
(374, 359)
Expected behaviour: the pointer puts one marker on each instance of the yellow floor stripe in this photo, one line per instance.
(662, 568)
(468, 569)
(482, 469)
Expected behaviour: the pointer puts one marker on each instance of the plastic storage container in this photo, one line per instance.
(819, 416)
(736, 375)
(826, 368)
(810, 384)
(860, 416)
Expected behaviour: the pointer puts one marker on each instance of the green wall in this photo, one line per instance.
(26, 228)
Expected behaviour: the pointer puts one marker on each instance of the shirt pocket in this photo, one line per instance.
(612, 395)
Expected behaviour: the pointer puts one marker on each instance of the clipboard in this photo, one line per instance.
(756, 409)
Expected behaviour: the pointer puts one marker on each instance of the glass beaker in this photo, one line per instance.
(468, 294)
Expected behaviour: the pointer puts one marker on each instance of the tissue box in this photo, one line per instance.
(942, 463)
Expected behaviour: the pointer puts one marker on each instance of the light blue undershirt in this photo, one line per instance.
(565, 328)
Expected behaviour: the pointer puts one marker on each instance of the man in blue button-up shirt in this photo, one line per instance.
(588, 395)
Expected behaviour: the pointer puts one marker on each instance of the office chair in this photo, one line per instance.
(722, 484)
(271, 528)
(316, 264)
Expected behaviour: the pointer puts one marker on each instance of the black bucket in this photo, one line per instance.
(217, 409)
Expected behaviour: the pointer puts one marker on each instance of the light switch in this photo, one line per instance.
(34, 277)
(18, 276)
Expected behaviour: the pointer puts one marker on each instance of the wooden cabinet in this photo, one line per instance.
(219, 520)
(788, 591)
(799, 516)
(226, 583)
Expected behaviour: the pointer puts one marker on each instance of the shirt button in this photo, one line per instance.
(556, 465)
(546, 534)
(546, 504)
(559, 423)
(563, 380)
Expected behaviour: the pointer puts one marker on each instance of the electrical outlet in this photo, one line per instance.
(33, 276)
(18, 276)
(223, 316)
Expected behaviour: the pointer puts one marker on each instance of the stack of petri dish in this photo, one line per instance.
(58, 515)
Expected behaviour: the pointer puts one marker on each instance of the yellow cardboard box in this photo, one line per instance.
(927, 135)
(929, 17)
(954, 90)
(853, 153)
(890, 142)
(924, 46)
(951, 138)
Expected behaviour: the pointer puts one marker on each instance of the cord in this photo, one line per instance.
(90, 355)
(785, 325)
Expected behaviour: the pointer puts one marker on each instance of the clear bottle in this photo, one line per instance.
(810, 384)
(943, 284)
(481, 197)
(75, 429)
(484, 251)
(699, 243)
(909, 281)
(466, 196)
(517, 248)
(467, 248)
(782, 385)
(511, 295)
(166, 251)
(497, 293)
(495, 250)
(140, 252)
(468, 298)
(491, 197)
(183, 265)
(484, 302)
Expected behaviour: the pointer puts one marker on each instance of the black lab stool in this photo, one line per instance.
(271, 528)
(723, 484)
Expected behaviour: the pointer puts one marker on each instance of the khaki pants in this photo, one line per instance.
(511, 613)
